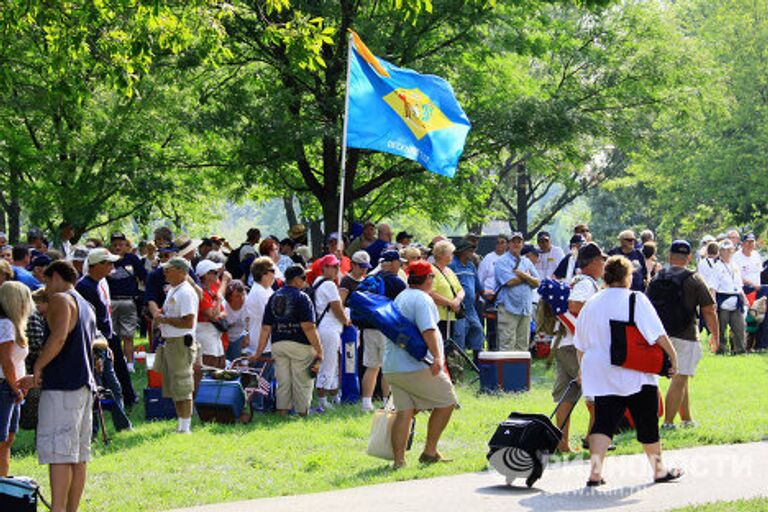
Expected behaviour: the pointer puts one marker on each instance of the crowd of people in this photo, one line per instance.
(69, 315)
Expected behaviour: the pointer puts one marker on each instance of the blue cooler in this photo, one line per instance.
(220, 401)
(350, 383)
(504, 371)
(156, 407)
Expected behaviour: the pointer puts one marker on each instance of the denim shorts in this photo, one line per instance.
(10, 412)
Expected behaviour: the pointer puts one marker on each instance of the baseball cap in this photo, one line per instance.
(329, 260)
(100, 255)
(389, 255)
(543, 234)
(419, 268)
(706, 239)
(206, 266)
(726, 245)
(41, 261)
(680, 247)
(117, 235)
(332, 236)
(403, 235)
(362, 258)
(748, 237)
(79, 253)
(177, 262)
(463, 245)
(516, 234)
(293, 272)
(472, 237)
(577, 239)
(589, 251)
(529, 248)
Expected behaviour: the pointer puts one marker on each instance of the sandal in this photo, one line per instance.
(595, 483)
(432, 459)
(672, 474)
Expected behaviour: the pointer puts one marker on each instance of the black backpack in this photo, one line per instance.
(311, 291)
(666, 294)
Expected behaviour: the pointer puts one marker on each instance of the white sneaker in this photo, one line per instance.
(367, 408)
(668, 426)
(131, 369)
(689, 424)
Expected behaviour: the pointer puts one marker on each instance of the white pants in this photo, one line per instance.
(328, 376)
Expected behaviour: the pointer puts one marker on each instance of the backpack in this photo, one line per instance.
(311, 292)
(233, 263)
(666, 294)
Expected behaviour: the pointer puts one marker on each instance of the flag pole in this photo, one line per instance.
(344, 144)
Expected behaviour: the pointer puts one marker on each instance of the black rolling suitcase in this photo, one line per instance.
(523, 442)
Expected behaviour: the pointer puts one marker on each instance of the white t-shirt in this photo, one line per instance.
(727, 279)
(593, 337)
(708, 271)
(237, 321)
(18, 354)
(326, 293)
(749, 266)
(485, 272)
(548, 261)
(254, 306)
(583, 288)
(180, 302)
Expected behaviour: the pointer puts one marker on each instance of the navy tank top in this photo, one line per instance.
(72, 368)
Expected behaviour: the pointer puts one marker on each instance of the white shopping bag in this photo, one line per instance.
(380, 442)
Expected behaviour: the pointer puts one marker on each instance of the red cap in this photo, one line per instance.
(419, 268)
(329, 260)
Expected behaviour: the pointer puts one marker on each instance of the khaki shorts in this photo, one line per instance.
(174, 360)
(373, 348)
(65, 420)
(688, 355)
(567, 370)
(421, 390)
(125, 319)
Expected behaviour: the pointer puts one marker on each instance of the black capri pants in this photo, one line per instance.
(643, 406)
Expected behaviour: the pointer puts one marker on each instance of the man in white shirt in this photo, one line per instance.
(749, 262)
(591, 260)
(175, 359)
(730, 299)
(707, 267)
(550, 257)
(487, 277)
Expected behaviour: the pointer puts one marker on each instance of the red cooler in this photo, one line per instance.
(504, 371)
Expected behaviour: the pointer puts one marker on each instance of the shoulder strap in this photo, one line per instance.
(447, 281)
(319, 281)
(632, 299)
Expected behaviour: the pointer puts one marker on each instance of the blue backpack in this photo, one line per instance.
(382, 313)
(373, 285)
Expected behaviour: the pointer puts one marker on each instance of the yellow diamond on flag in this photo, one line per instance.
(417, 111)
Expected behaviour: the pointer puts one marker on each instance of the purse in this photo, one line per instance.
(630, 350)
(380, 442)
(462, 312)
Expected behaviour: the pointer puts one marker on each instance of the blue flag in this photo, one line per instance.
(400, 111)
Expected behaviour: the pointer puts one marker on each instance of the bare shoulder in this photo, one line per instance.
(62, 300)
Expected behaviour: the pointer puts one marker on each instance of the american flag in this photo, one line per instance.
(555, 293)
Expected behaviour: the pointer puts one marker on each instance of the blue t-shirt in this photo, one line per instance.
(418, 307)
(516, 299)
(123, 281)
(24, 276)
(286, 310)
(89, 289)
(393, 285)
(375, 250)
(470, 282)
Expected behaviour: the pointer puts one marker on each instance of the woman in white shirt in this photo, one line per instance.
(15, 308)
(263, 273)
(237, 319)
(331, 319)
(730, 300)
(615, 388)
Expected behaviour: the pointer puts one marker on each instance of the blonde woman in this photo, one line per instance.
(15, 308)
(446, 288)
(6, 271)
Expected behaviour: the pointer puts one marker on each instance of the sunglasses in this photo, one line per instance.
(628, 239)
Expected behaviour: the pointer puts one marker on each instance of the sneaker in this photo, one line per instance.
(336, 400)
(668, 426)
(689, 424)
(367, 408)
(318, 410)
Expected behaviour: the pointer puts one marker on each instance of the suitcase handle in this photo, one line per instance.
(562, 399)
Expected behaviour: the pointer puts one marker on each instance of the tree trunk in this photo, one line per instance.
(521, 193)
(290, 213)
(316, 237)
(14, 209)
(2, 221)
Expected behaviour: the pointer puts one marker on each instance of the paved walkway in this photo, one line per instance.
(713, 473)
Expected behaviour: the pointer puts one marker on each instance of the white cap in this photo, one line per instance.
(206, 266)
(100, 255)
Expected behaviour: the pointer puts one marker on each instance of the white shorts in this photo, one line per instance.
(209, 338)
(64, 426)
(688, 355)
(328, 376)
(373, 348)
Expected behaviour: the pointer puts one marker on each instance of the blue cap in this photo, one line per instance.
(748, 237)
(389, 255)
(40, 261)
(528, 248)
(680, 247)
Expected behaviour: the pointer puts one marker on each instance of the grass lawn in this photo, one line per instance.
(753, 505)
(152, 468)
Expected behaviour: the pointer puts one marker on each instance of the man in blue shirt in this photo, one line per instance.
(516, 279)
(93, 287)
(468, 332)
(22, 258)
(627, 249)
(124, 289)
(381, 244)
